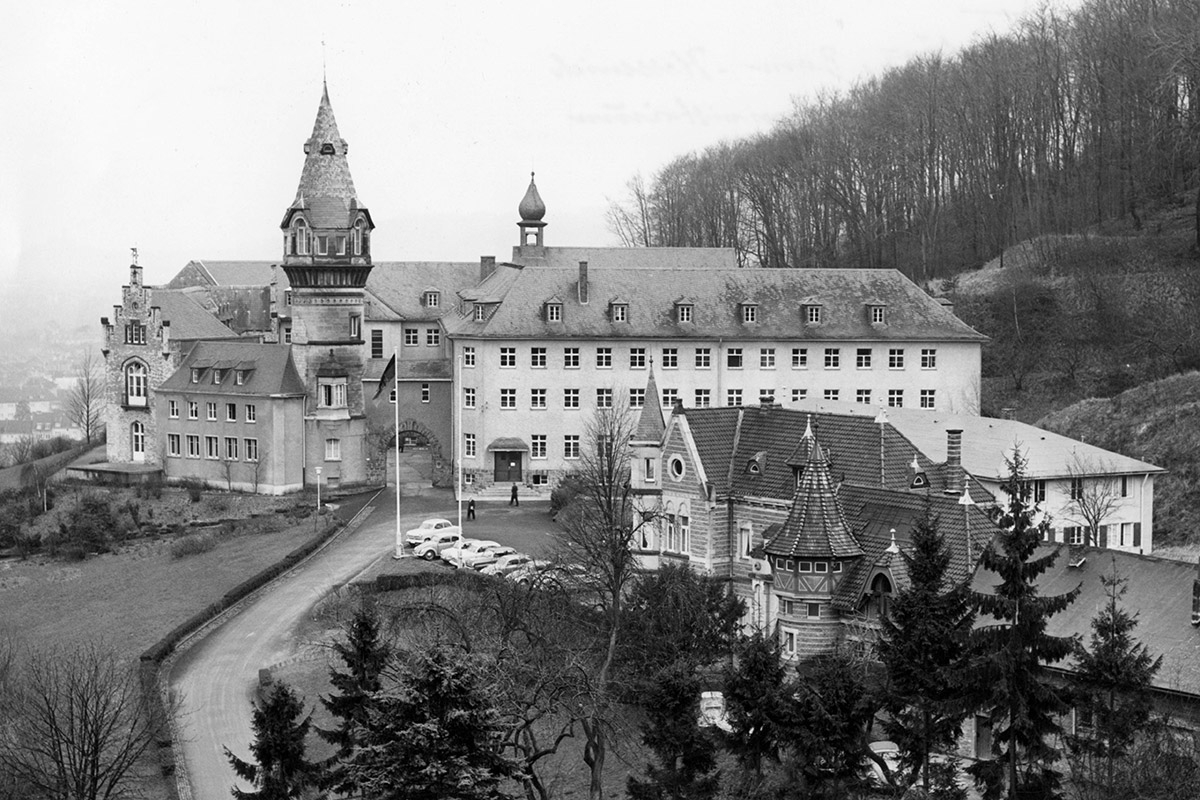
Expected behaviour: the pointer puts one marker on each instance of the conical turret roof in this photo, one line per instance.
(651, 425)
(326, 174)
(816, 525)
(532, 209)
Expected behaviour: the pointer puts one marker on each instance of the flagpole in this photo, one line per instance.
(396, 431)
(457, 449)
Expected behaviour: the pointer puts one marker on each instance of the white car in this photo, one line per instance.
(507, 564)
(486, 556)
(528, 573)
(890, 753)
(454, 555)
(427, 530)
(434, 547)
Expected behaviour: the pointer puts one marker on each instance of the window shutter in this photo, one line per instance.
(1137, 534)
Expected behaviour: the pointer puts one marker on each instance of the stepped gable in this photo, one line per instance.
(717, 296)
(651, 426)
(877, 512)
(269, 369)
(816, 526)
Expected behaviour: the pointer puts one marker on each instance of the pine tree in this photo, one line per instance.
(923, 647)
(1112, 679)
(279, 770)
(365, 655)
(756, 699)
(435, 735)
(685, 753)
(1006, 680)
(827, 727)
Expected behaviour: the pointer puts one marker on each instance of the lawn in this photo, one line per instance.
(126, 601)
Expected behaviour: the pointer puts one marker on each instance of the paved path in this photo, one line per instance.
(215, 678)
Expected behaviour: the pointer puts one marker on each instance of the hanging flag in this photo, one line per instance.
(389, 375)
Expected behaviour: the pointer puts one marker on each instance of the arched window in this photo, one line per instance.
(135, 384)
(880, 597)
(357, 237)
(137, 441)
(299, 237)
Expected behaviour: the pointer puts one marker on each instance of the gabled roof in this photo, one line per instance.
(628, 257)
(269, 370)
(399, 288)
(189, 320)
(816, 525)
(651, 426)
(521, 293)
(987, 442)
(1157, 589)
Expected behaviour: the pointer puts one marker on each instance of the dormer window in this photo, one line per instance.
(683, 312)
(749, 313)
(299, 237)
(356, 238)
(432, 299)
(479, 312)
(812, 314)
(216, 377)
(554, 312)
(239, 377)
(878, 314)
(322, 245)
(327, 149)
(619, 312)
(195, 375)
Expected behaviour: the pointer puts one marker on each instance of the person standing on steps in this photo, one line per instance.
(512, 499)
(471, 508)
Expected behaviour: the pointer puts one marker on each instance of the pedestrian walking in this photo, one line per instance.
(512, 499)
(471, 508)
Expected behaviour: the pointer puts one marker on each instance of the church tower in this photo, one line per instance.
(327, 258)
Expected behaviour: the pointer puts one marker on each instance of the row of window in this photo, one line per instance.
(240, 376)
(735, 357)
(300, 241)
(701, 398)
(249, 411)
(212, 447)
(748, 312)
(1124, 534)
(537, 446)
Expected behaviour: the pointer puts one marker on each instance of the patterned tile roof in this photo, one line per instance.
(652, 293)
(816, 526)
(1158, 590)
(270, 370)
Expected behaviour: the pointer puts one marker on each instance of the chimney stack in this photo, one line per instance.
(583, 283)
(955, 479)
(487, 265)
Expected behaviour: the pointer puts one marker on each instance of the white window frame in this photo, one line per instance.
(333, 449)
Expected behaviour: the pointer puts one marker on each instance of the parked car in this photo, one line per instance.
(529, 572)
(434, 547)
(712, 711)
(506, 564)
(427, 530)
(483, 557)
(890, 753)
(454, 555)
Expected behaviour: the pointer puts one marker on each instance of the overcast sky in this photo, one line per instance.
(178, 127)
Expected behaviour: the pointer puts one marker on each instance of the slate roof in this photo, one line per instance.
(271, 370)
(1158, 590)
(652, 293)
(987, 442)
(398, 287)
(189, 320)
(326, 176)
(650, 426)
(628, 257)
(816, 525)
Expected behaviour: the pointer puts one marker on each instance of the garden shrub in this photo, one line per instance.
(193, 544)
(195, 489)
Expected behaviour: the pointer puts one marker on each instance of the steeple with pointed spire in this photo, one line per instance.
(532, 209)
(326, 233)
(651, 425)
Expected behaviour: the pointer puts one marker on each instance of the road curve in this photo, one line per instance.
(216, 676)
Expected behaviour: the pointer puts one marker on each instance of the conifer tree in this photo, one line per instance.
(756, 702)
(365, 655)
(434, 735)
(827, 727)
(685, 753)
(923, 647)
(1113, 676)
(1006, 681)
(280, 770)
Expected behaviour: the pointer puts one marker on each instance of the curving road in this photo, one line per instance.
(215, 678)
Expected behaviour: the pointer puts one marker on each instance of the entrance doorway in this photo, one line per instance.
(508, 466)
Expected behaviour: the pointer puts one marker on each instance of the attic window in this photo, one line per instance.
(757, 463)
(554, 312)
(878, 314)
(195, 375)
(239, 377)
(479, 312)
(812, 314)
(749, 312)
(683, 312)
(216, 377)
(619, 312)
(432, 299)
(327, 149)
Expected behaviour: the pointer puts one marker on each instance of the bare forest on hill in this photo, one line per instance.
(1071, 119)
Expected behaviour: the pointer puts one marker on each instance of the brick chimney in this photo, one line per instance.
(955, 480)
(583, 283)
(487, 265)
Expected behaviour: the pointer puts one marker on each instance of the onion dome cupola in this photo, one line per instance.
(816, 525)
(326, 233)
(532, 209)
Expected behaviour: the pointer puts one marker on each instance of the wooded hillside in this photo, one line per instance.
(1067, 121)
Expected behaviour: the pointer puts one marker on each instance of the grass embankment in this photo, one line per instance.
(1158, 422)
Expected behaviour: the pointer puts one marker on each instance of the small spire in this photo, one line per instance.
(651, 425)
(893, 547)
(808, 434)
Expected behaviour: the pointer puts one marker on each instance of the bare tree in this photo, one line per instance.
(1094, 495)
(86, 400)
(600, 526)
(73, 724)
